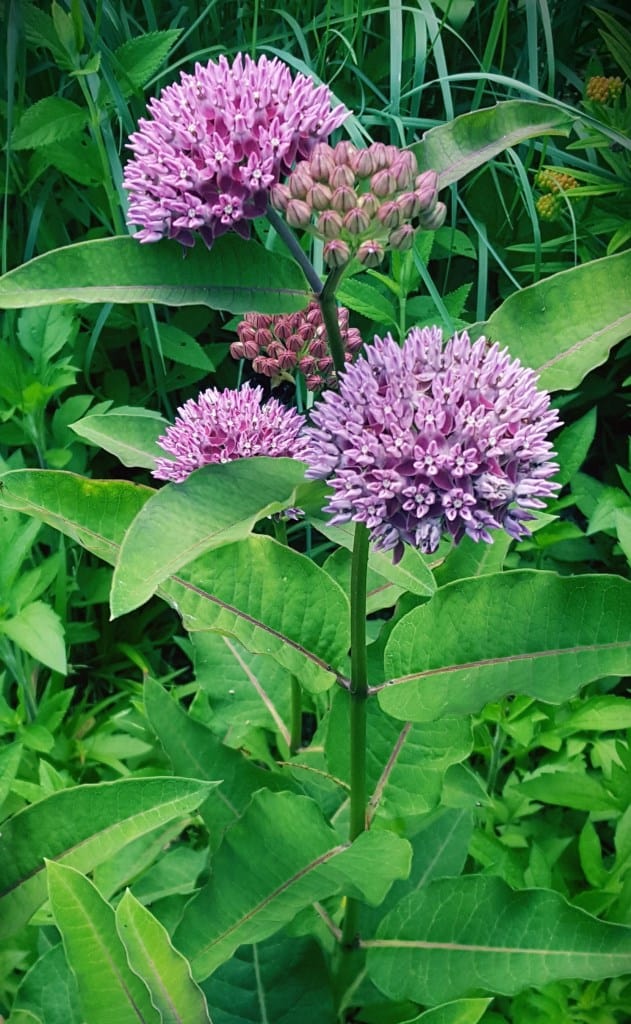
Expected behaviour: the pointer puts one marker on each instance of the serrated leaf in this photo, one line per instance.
(164, 971)
(474, 933)
(109, 991)
(82, 827)
(52, 119)
(560, 633)
(140, 58)
(235, 275)
(367, 301)
(129, 434)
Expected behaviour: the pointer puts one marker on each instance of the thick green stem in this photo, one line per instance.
(328, 305)
(357, 696)
(286, 234)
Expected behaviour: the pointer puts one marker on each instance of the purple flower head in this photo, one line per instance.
(216, 142)
(222, 426)
(423, 440)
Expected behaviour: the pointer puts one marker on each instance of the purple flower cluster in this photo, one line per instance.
(280, 345)
(215, 144)
(222, 426)
(423, 440)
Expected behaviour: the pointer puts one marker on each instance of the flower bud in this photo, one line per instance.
(370, 253)
(237, 350)
(434, 219)
(325, 364)
(321, 162)
(356, 221)
(383, 183)
(262, 337)
(344, 152)
(342, 174)
(353, 340)
(295, 343)
(344, 199)
(261, 365)
(389, 214)
(279, 197)
(329, 224)
(246, 330)
(409, 204)
(275, 349)
(298, 213)
(318, 348)
(319, 196)
(287, 360)
(401, 238)
(363, 163)
(307, 365)
(379, 156)
(300, 181)
(313, 382)
(336, 253)
(369, 203)
(282, 328)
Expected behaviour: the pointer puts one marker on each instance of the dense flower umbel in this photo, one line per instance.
(216, 141)
(360, 201)
(423, 440)
(279, 345)
(222, 426)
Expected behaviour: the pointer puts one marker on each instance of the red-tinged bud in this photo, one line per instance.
(427, 198)
(379, 155)
(237, 350)
(370, 253)
(342, 175)
(325, 364)
(389, 214)
(287, 360)
(319, 197)
(275, 349)
(307, 365)
(329, 224)
(273, 368)
(427, 180)
(409, 205)
(263, 337)
(336, 253)
(295, 342)
(298, 213)
(262, 365)
(344, 199)
(392, 153)
(363, 163)
(282, 327)
(369, 203)
(314, 314)
(318, 348)
(300, 181)
(321, 162)
(313, 382)
(356, 221)
(344, 152)
(383, 184)
(246, 330)
(406, 168)
(434, 219)
(353, 340)
(401, 238)
(279, 197)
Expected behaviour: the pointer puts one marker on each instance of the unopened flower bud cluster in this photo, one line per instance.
(601, 89)
(360, 202)
(552, 184)
(279, 345)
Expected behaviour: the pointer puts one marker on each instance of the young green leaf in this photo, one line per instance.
(129, 434)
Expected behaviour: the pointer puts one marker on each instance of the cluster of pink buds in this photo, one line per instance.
(360, 202)
(279, 345)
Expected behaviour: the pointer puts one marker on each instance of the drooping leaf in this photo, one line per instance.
(462, 935)
(109, 991)
(236, 275)
(565, 325)
(129, 434)
(216, 505)
(470, 140)
(301, 861)
(82, 827)
(527, 632)
(164, 971)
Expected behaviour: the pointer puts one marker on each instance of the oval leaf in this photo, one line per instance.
(129, 434)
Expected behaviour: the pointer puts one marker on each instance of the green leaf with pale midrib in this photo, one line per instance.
(560, 633)
(460, 935)
(130, 435)
(235, 275)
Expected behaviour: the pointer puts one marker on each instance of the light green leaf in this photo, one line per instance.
(572, 445)
(527, 632)
(52, 119)
(10, 757)
(164, 971)
(600, 714)
(82, 827)
(182, 348)
(109, 991)
(470, 140)
(474, 933)
(39, 631)
(568, 788)
(216, 505)
(302, 860)
(129, 434)
(140, 58)
(565, 325)
(460, 1011)
(236, 275)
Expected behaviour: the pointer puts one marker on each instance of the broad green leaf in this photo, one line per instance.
(164, 971)
(470, 559)
(195, 752)
(524, 632)
(95, 513)
(282, 980)
(460, 935)
(52, 119)
(254, 591)
(568, 788)
(460, 1011)
(39, 631)
(411, 573)
(109, 991)
(300, 859)
(10, 757)
(138, 59)
(600, 714)
(572, 445)
(236, 275)
(129, 434)
(366, 300)
(82, 827)
(49, 989)
(565, 325)
(470, 140)
(43, 331)
(216, 505)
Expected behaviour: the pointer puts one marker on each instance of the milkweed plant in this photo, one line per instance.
(334, 534)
